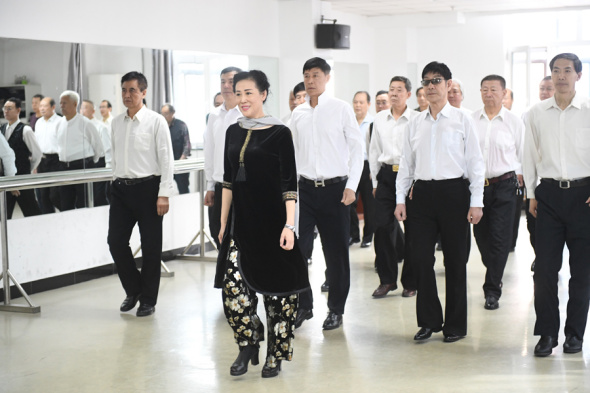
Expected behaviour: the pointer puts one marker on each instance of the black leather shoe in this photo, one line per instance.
(325, 287)
(145, 309)
(572, 344)
(383, 289)
(333, 321)
(491, 303)
(268, 371)
(302, 315)
(423, 334)
(353, 241)
(451, 338)
(129, 303)
(366, 244)
(545, 346)
(247, 353)
(409, 293)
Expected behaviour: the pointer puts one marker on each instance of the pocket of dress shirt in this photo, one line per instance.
(505, 141)
(583, 138)
(142, 141)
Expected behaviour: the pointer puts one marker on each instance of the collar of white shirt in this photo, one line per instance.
(551, 103)
(445, 111)
(139, 115)
(500, 114)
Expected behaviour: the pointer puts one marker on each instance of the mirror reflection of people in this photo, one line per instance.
(421, 98)
(36, 114)
(27, 153)
(260, 183)
(106, 110)
(46, 133)
(181, 144)
(143, 165)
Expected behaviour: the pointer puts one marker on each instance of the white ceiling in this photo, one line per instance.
(394, 7)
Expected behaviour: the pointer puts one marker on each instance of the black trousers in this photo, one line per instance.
(49, 197)
(74, 197)
(130, 205)
(531, 223)
(389, 234)
(181, 180)
(493, 234)
(215, 215)
(563, 218)
(321, 207)
(440, 206)
(517, 214)
(27, 202)
(100, 189)
(365, 191)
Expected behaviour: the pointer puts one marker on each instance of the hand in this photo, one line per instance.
(588, 201)
(533, 206)
(209, 198)
(520, 180)
(474, 215)
(348, 196)
(400, 212)
(182, 157)
(374, 191)
(221, 233)
(287, 239)
(15, 193)
(162, 205)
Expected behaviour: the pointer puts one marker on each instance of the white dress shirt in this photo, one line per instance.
(327, 140)
(557, 142)
(31, 142)
(501, 141)
(364, 127)
(108, 121)
(387, 140)
(214, 142)
(445, 148)
(105, 138)
(7, 157)
(46, 133)
(77, 139)
(141, 147)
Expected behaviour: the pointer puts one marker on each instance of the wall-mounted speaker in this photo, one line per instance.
(332, 36)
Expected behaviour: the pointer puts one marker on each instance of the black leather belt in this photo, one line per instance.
(81, 162)
(507, 175)
(50, 155)
(453, 180)
(132, 182)
(565, 184)
(323, 182)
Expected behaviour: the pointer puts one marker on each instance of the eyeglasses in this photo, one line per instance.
(7, 108)
(434, 81)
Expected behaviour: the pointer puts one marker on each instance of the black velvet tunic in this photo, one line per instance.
(259, 212)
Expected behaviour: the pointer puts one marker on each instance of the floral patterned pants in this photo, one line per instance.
(240, 304)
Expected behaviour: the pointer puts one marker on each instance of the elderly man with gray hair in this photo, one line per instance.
(456, 96)
(79, 147)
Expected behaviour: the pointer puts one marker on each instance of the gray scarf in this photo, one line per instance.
(246, 122)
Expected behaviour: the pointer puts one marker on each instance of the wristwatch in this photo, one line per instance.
(291, 227)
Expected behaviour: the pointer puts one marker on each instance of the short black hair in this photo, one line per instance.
(51, 102)
(437, 68)
(138, 76)
(298, 88)
(170, 108)
(317, 62)
(365, 93)
(567, 56)
(108, 103)
(258, 77)
(418, 89)
(547, 78)
(404, 80)
(39, 96)
(17, 103)
(227, 70)
(494, 77)
(380, 92)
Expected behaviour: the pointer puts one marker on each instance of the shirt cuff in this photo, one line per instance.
(476, 201)
(165, 190)
(210, 185)
(290, 196)
(227, 185)
(400, 199)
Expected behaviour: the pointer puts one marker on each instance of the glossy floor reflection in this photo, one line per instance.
(81, 342)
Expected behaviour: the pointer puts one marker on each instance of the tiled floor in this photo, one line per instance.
(81, 342)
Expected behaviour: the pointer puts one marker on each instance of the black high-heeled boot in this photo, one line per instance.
(247, 353)
(268, 371)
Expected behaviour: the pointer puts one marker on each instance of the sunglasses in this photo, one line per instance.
(434, 81)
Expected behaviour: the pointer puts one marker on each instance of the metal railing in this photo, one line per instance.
(56, 179)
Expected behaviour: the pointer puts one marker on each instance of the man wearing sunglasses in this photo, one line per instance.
(440, 189)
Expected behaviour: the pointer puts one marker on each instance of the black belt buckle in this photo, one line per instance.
(319, 183)
(129, 182)
(564, 184)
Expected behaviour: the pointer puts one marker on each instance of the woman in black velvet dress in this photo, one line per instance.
(259, 251)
